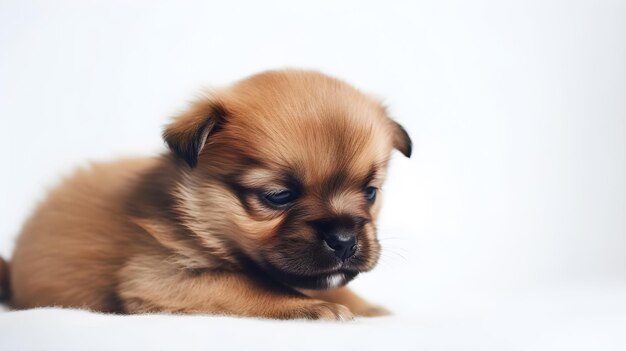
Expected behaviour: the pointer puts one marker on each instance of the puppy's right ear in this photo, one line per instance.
(188, 133)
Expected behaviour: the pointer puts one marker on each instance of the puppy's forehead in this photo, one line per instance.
(313, 124)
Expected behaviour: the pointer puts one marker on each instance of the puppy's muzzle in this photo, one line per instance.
(340, 235)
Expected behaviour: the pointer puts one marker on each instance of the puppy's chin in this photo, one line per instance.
(319, 281)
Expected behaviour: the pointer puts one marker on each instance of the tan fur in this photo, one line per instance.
(344, 296)
(190, 231)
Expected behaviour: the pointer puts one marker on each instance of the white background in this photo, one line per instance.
(517, 111)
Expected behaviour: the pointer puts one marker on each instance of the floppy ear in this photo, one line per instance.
(401, 140)
(188, 133)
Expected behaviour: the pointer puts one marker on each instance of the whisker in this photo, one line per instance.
(396, 254)
(392, 238)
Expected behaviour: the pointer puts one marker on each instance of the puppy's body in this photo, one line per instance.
(266, 195)
(74, 246)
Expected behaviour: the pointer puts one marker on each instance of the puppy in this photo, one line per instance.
(264, 206)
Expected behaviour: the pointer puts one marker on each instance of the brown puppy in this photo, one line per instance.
(265, 207)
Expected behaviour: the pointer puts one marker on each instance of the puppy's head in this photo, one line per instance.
(285, 168)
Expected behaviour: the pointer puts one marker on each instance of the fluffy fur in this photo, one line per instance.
(193, 231)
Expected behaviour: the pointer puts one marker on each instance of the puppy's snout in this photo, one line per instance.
(340, 234)
(342, 243)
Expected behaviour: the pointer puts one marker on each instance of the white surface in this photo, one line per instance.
(551, 319)
(517, 111)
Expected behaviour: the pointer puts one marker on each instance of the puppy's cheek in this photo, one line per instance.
(257, 225)
(258, 232)
(250, 240)
(371, 247)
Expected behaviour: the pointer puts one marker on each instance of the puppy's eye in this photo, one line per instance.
(370, 193)
(280, 198)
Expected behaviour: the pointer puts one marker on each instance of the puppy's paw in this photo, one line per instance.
(372, 311)
(327, 311)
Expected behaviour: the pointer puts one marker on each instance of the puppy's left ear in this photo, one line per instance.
(401, 140)
(187, 135)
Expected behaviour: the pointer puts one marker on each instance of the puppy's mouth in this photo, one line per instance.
(319, 281)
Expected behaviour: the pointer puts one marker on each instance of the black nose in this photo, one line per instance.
(342, 243)
(340, 233)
